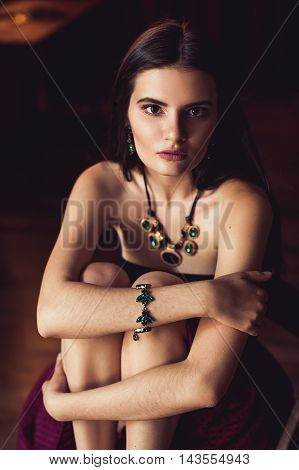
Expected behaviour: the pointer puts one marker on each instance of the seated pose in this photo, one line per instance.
(160, 350)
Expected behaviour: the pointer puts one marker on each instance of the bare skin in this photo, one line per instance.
(246, 227)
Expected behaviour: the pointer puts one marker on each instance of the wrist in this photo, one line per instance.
(204, 296)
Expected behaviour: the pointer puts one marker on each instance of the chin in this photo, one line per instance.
(167, 168)
(172, 167)
(169, 171)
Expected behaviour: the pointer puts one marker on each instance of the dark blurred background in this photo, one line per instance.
(58, 62)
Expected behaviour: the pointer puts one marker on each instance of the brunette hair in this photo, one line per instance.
(174, 43)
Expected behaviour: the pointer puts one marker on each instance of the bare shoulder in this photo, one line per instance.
(245, 196)
(104, 171)
(244, 227)
(105, 176)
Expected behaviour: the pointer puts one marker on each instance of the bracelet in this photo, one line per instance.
(145, 297)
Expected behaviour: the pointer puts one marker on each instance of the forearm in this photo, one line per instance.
(155, 393)
(81, 310)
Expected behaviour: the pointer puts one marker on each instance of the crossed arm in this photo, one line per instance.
(200, 380)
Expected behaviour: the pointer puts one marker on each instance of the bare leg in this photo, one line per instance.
(163, 345)
(95, 362)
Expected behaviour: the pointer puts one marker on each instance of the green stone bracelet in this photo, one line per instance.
(145, 297)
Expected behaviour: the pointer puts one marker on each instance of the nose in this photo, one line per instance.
(174, 130)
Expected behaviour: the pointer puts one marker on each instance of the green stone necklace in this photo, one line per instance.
(159, 239)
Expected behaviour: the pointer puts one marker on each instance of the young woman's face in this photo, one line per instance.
(171, 108)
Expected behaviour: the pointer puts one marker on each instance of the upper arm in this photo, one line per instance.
(243, 234)
(81, 227)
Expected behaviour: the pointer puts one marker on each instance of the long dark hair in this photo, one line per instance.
(172, 42)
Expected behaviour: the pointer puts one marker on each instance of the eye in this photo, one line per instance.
(201, 111)
(150, 106)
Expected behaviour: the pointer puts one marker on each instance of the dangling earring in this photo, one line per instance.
(211, 148)
(131, 147)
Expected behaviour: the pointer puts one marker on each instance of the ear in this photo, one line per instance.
(127, 122)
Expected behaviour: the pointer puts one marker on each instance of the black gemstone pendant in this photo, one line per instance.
(171, 257)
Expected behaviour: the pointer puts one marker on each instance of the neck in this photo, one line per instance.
(168, 188)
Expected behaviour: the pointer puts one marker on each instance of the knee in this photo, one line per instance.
(105, 274)
(158, 279)
(91, 362)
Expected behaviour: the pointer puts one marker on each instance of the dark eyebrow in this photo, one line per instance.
(153, 100)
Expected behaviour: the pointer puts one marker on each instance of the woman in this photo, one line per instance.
(195, 377)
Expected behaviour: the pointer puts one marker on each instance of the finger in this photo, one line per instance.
(253, 332)
(44, 386)
(264, 309)
(262, 294)
(257, 276)
(59, 370)
(59, 379)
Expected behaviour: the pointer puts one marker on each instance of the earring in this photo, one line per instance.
(131, 147)
(212, 145)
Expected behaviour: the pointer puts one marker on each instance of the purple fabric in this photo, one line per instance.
(38, 430)
(241, 420)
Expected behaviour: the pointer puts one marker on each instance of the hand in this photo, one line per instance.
(237, 300)
(53, 389)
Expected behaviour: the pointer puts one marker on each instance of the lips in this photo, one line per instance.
(174, 155)
(174, 152)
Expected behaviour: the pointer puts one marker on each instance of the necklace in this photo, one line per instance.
(159, 239)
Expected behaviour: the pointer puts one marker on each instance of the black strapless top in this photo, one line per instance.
(135, 270)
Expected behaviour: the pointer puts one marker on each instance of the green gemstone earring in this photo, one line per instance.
(131, 147)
